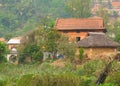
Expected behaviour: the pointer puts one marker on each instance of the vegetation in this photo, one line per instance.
(3, 52)
(20, 16)
(41, 40)
(33, 17)
(44, 74)
(79, 8)
(81, 53)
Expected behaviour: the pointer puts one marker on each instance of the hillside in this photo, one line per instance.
(19, 16)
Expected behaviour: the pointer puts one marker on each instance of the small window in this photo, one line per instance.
(65, 31)
(77, 39)
(77, 31)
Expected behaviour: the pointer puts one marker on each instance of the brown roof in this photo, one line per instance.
(115, 4)
(2, 40)
(97, 40)
(79, 23)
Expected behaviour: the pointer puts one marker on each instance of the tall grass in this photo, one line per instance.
(46, 75)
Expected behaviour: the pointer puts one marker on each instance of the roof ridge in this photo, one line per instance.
(80, 18)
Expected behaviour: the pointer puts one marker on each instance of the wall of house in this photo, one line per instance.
(10, 46)
(93, 53)
(72, 34)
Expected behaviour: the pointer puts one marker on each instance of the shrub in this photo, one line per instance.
(2, 83)
(3, 52)
(114, 78)
(47, 80)
(81, 53)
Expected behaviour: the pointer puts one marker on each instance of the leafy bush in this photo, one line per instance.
(108, 84)
(2, 83)
(3, 52)
(114, 78)
(47, 80)
(32, 51)
(93, 67)
(81, 53)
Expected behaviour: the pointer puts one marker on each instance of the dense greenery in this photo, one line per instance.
(20, 16)
(3, 51)
(79, 8)
(44, 74)
(41, 40)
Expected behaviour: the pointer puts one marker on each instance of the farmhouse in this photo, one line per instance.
(13, 42)
(97, 44)
(116, 5)
(12, 46)
(77, 28)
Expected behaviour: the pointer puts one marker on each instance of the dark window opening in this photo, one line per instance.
(77, 31)
(65, 31)
(77, 39)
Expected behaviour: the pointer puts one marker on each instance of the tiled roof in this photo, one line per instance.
(115, 4)
(79, 23)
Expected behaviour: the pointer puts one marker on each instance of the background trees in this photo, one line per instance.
(79, 8)
(19, 16)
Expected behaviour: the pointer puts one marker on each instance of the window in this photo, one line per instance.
(77, 31)
(65, 31)
(77, 39)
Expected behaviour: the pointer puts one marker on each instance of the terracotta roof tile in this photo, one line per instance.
(115, 4)
(79, 23)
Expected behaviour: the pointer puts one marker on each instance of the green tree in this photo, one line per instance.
(79, 8)
(66, 48)
(52, 38)
(49, 40)
(3, 51)
(104, 14)
(117, 37)
(81, 53)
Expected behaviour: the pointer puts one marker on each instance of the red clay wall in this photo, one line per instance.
(72, 34)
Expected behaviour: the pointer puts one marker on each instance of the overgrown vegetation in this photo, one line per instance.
(47, 75)
(41, 40)
(3, 52)
(81, 53)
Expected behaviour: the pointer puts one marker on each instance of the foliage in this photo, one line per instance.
(81, 53)
(49, 40)
(79, 8)
(46, 80)
(32, 51)
(117, 26)
(3, 51)
(19, 16)
(104, 14)
(114, 79)
(43, 74)
(66, 48)
(117, 37)
(50, 44)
